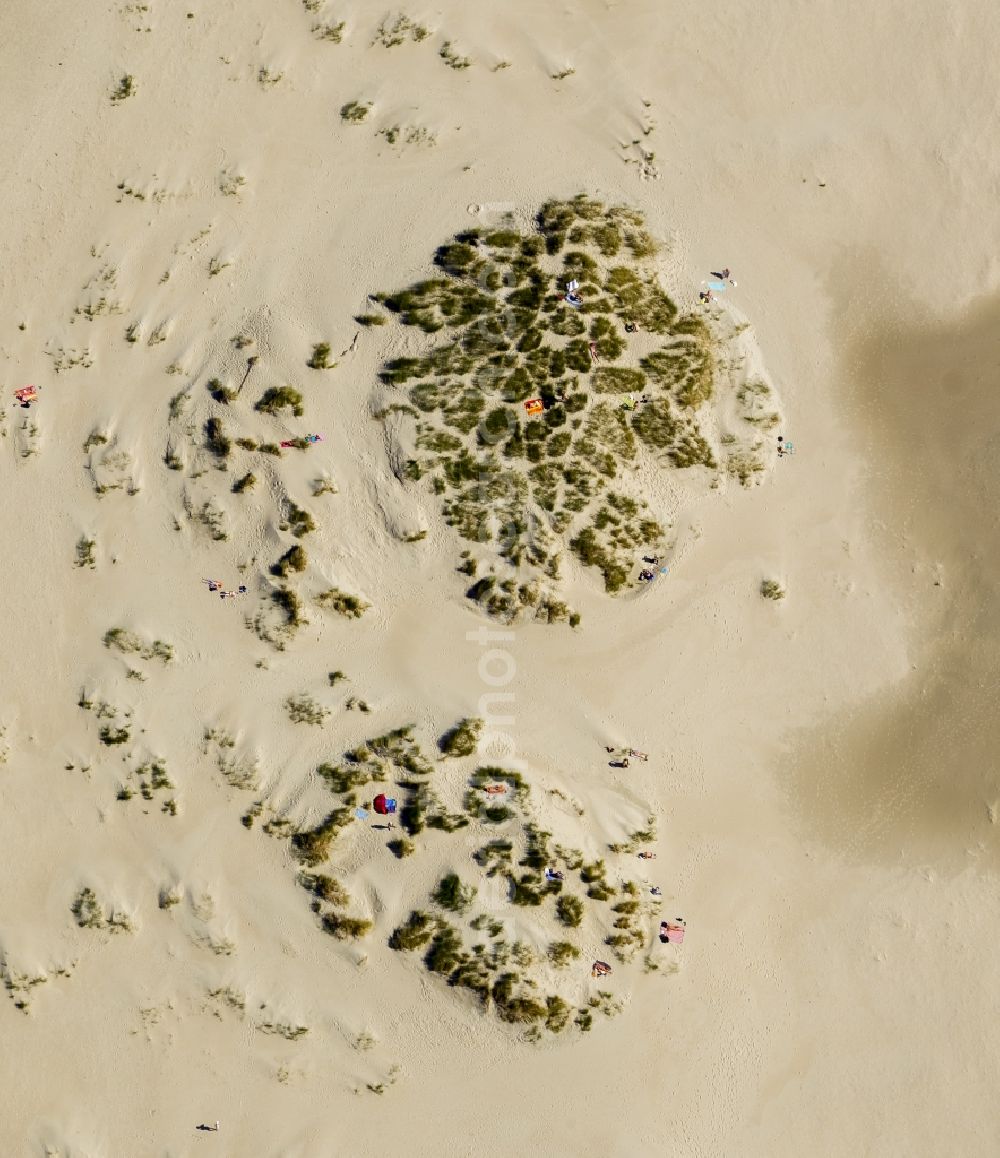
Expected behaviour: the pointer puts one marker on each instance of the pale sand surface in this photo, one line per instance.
(823, 770)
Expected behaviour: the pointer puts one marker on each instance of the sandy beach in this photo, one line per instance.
(392, 320)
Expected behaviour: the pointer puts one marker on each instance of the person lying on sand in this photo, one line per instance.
(647, 856)
(495, 789)
(600, 969)
(552, 875)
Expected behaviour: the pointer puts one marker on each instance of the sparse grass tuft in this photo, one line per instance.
(451, 58)
(354, 112)
(303, 709)
(393, 32)
(128, 643)
(125, 88)
(772, 589)
(334, 33)
(320, 357)
(350, 606)
(85, 553)
(562, 953)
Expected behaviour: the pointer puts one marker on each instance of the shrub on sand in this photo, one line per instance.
(350, 606)
(294, 559)
(462, 739)
(278, 398)
(320, 357)
(343, 927)
(569, 910)
(562, 953)
(452, 895)
(414, 933)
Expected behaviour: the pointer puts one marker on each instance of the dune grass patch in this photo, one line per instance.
(343, 603)
(532, 399)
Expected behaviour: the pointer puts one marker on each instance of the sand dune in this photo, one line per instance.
(236, 228)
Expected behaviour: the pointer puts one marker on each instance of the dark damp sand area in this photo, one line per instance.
(914, 775)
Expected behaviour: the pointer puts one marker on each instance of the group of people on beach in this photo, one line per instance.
(214, 585)
(624, 755)
(722, 275)
(671, 932)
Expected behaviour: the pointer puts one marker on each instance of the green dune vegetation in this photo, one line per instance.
(619, 379)
(478, 926)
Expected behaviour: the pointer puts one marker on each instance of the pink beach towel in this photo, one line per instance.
(675, 933)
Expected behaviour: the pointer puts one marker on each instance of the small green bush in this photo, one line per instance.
(312, 846)
(278, 398)
(290, 603)
(462, 739)
(343, 927)
(85, 556)
(87, 910)
(569, 910)
(354, 112)
(413, 934)
(494, 856)
(326, 888)
(331, 32)
(445, 952)
(452, 895)
(562, 953)
(451, 58)
(112, 736)
(524, 890)
(124, 89)
(294, 559)
(350, 606)
(247, 482)
(320, 357)
(303, 709)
